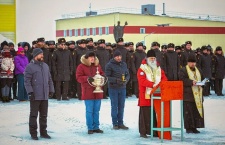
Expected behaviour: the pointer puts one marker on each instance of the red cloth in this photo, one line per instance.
(143, 83)
(82, 73)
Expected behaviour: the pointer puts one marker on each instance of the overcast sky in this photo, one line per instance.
(36, 18)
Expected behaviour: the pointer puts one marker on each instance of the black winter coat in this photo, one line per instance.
(159, 57)
(74, 59)
(220, 67)
(62, 65)
(139, 55)
(187, 84)
(185, 56)
(171, 64)
(124, 52)
(114, 70)
(206, 66)
(79, 53)
(103, 57)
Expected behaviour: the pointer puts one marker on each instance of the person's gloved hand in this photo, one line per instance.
(50, 95)
(31, 96)
(119, 81)
(90, 79)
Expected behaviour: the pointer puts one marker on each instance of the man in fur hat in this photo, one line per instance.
(149, 76)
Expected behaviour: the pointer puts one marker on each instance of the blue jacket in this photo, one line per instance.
(37, 79)
(114, 71)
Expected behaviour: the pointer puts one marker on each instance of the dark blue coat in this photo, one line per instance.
(37, 79)
(114, 70)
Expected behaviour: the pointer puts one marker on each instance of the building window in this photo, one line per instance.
(107, 30)
(76, 32)
(100, 31)
(142, 30)
(81, 32)
(93, 31)
(88, 32)
(70, 33)
(64, 33)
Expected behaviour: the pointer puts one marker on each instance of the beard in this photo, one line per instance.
(152, 64)
(192, 68)
(40, 59)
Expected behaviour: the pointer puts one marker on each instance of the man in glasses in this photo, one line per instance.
(62, 68)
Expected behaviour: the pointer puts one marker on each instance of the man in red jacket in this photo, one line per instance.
(84, 74)
(149, 75)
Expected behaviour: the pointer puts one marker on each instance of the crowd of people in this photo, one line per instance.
(63, 70)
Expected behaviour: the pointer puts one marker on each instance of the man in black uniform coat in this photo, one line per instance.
(80, 51)
(159, 55)
(139, 55)
(103, 56)
(51, 49)
(131, 67)
(108, 47)
(163, 48)
(213, 59)
(72, 84)
(187, 51)
(120, 47)
(90, 44)
(62, 67)
(179, 53)
(206, 67)
(171, 63)
(219, 71)
(41, 44)
(198, 57)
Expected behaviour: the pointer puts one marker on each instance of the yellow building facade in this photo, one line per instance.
(145, 28)
(8, 19)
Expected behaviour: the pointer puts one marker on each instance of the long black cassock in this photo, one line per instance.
(192, 118)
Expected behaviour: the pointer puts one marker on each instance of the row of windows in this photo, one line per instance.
(88, 30)
(93, 30)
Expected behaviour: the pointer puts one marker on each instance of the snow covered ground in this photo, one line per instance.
(66, 125)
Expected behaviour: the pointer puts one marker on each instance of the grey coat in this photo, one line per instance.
(37, 79)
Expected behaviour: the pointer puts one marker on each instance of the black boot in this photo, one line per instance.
(34, 137)
(3, 99)
(143, 135)
(189, 131)
(45, 136)
(98, 131)
(7, 99)
(195, 130)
